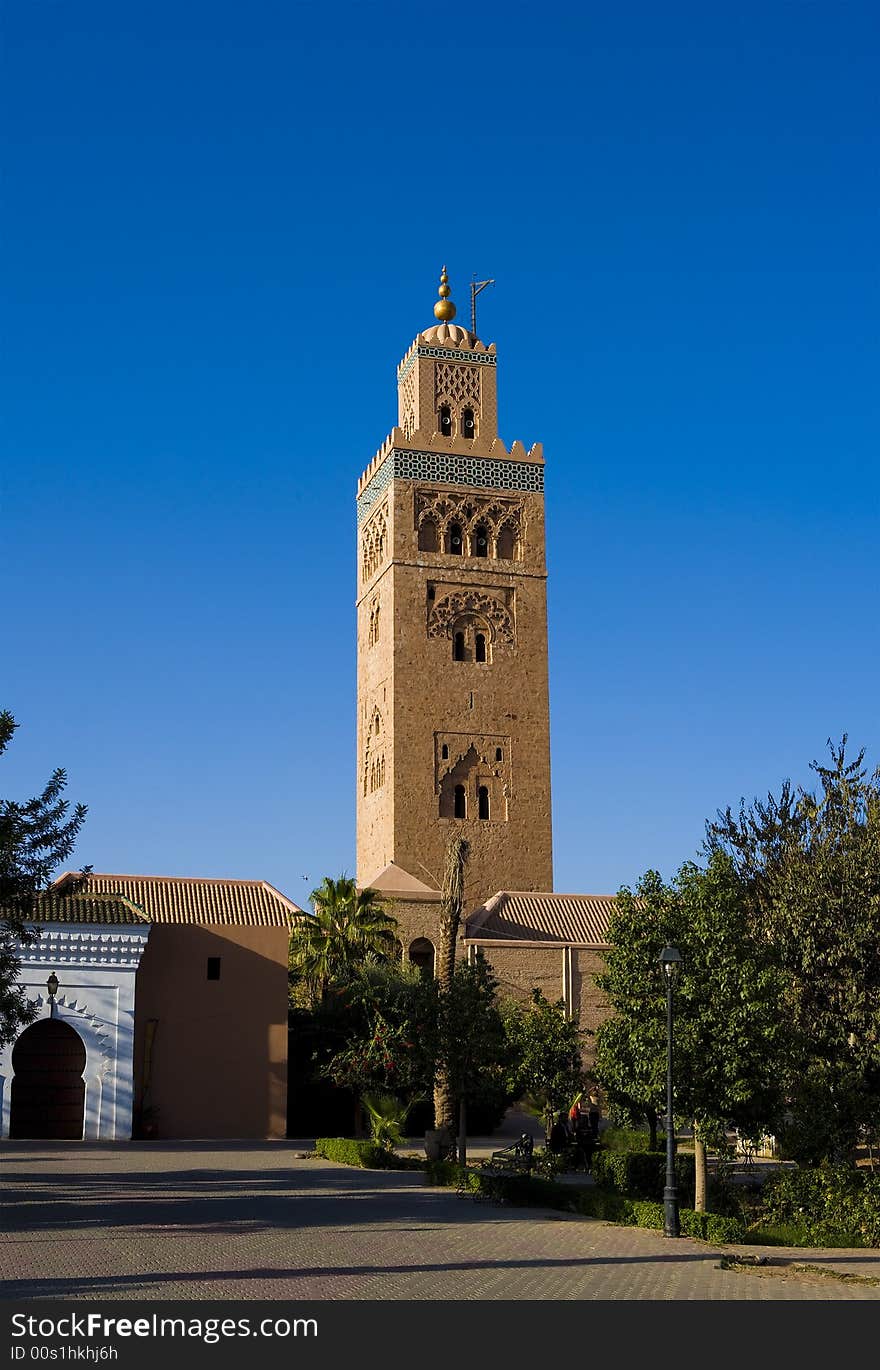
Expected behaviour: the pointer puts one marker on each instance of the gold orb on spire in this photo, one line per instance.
(444, 309)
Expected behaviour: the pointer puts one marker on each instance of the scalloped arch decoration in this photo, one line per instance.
(447, 610)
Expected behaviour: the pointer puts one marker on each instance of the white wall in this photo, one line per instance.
(96, 966)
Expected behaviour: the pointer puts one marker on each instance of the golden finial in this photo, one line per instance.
(444, 309)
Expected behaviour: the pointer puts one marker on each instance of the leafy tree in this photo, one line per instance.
(385, 1033)
(451, 904)
(731, 1044)
(810, 863)
(35, 838)
(546, 1054)
(348, 927)
(473, 1051)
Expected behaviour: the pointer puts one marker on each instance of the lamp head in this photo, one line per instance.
(52, 985)
(670, 960)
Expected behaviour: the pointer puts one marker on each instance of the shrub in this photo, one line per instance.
(367, 1155)
(625, 1139)
(829, 1203)
(641, 1174)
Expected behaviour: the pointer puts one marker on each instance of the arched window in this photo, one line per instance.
(376, 625)
(505, 547)
(483, 802)
(428, 536)
(480, 541)
(480, 647)
(460, 802)
(458, 647)
(468, 427)
(444, 752)
(499, 755)
(454, 539)
(445, 421)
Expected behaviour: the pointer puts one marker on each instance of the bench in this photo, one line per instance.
(512, 1160)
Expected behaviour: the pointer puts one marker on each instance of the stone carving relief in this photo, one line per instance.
(452, 608)
(374, 752)
(457, 384)
(468, 763)
(503, 518)
(374, 543)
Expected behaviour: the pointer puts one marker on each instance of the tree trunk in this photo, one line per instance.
(450, 918)
(462, 1131)
(652, 1128)
(699, 1172)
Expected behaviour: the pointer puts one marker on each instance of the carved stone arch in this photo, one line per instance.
(472, 603)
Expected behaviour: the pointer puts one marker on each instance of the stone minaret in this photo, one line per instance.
(453, 713)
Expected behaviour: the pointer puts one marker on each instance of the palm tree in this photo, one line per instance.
(348, 927)
(452, 900)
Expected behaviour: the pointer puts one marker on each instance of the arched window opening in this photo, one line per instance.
(468, 427)
(444, 752)
(458, 647)
(376, 625)
(480, 647)
(421, 954)
(499, 755)
(483, 802)
(460, 802)
(428, 536)
(505, 547)
(454, 539)
(445, 421)
(480, 541)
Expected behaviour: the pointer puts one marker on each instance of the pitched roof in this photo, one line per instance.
(575, 920)
(394, 879)
(96, 908)
(180, 899)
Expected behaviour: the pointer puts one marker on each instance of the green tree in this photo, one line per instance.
(348, 927)
(35, 838)
(472, 1048)
(810, 863)
(731, 1044)
(546, 1048)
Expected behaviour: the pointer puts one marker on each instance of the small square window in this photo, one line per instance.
(213, 967)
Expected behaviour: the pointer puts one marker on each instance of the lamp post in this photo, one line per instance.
(52, 988)
(670, 960)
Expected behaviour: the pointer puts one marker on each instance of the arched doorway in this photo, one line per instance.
(421, 954)
(48, 1091)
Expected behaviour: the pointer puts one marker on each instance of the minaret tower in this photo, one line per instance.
(453, 711)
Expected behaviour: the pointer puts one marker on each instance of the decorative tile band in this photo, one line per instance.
(449, 469)
(453, 354)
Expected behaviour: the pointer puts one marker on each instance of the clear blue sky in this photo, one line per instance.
(223, 227)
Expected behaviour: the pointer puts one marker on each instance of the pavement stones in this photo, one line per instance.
(243, 1220)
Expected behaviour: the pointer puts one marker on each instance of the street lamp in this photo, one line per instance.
(52, 987)
(670, 960)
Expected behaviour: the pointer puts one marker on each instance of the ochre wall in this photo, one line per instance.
(219, 1058)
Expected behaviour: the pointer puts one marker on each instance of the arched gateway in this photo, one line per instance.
(48, 1090)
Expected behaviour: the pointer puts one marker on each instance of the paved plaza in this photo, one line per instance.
(257, 1221)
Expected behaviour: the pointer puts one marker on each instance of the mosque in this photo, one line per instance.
(162, 1002)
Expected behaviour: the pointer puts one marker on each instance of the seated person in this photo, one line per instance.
(558, 1139)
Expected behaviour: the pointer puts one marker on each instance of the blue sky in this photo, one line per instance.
(223, 229)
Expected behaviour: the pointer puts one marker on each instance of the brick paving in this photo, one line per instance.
(251, 1221)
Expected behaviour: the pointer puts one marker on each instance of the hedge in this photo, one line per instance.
(641, 1174)
(826, 1202)
(590, 1202)
(367, 1155)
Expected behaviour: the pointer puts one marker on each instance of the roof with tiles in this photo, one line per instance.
(574, 920)
(97, 908)
(179, 899)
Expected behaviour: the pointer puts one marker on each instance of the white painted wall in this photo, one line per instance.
(96, 965)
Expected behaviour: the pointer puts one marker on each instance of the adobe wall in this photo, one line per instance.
(219, 1056)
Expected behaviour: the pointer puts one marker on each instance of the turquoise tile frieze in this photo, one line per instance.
(453, 354)
(450, 469)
